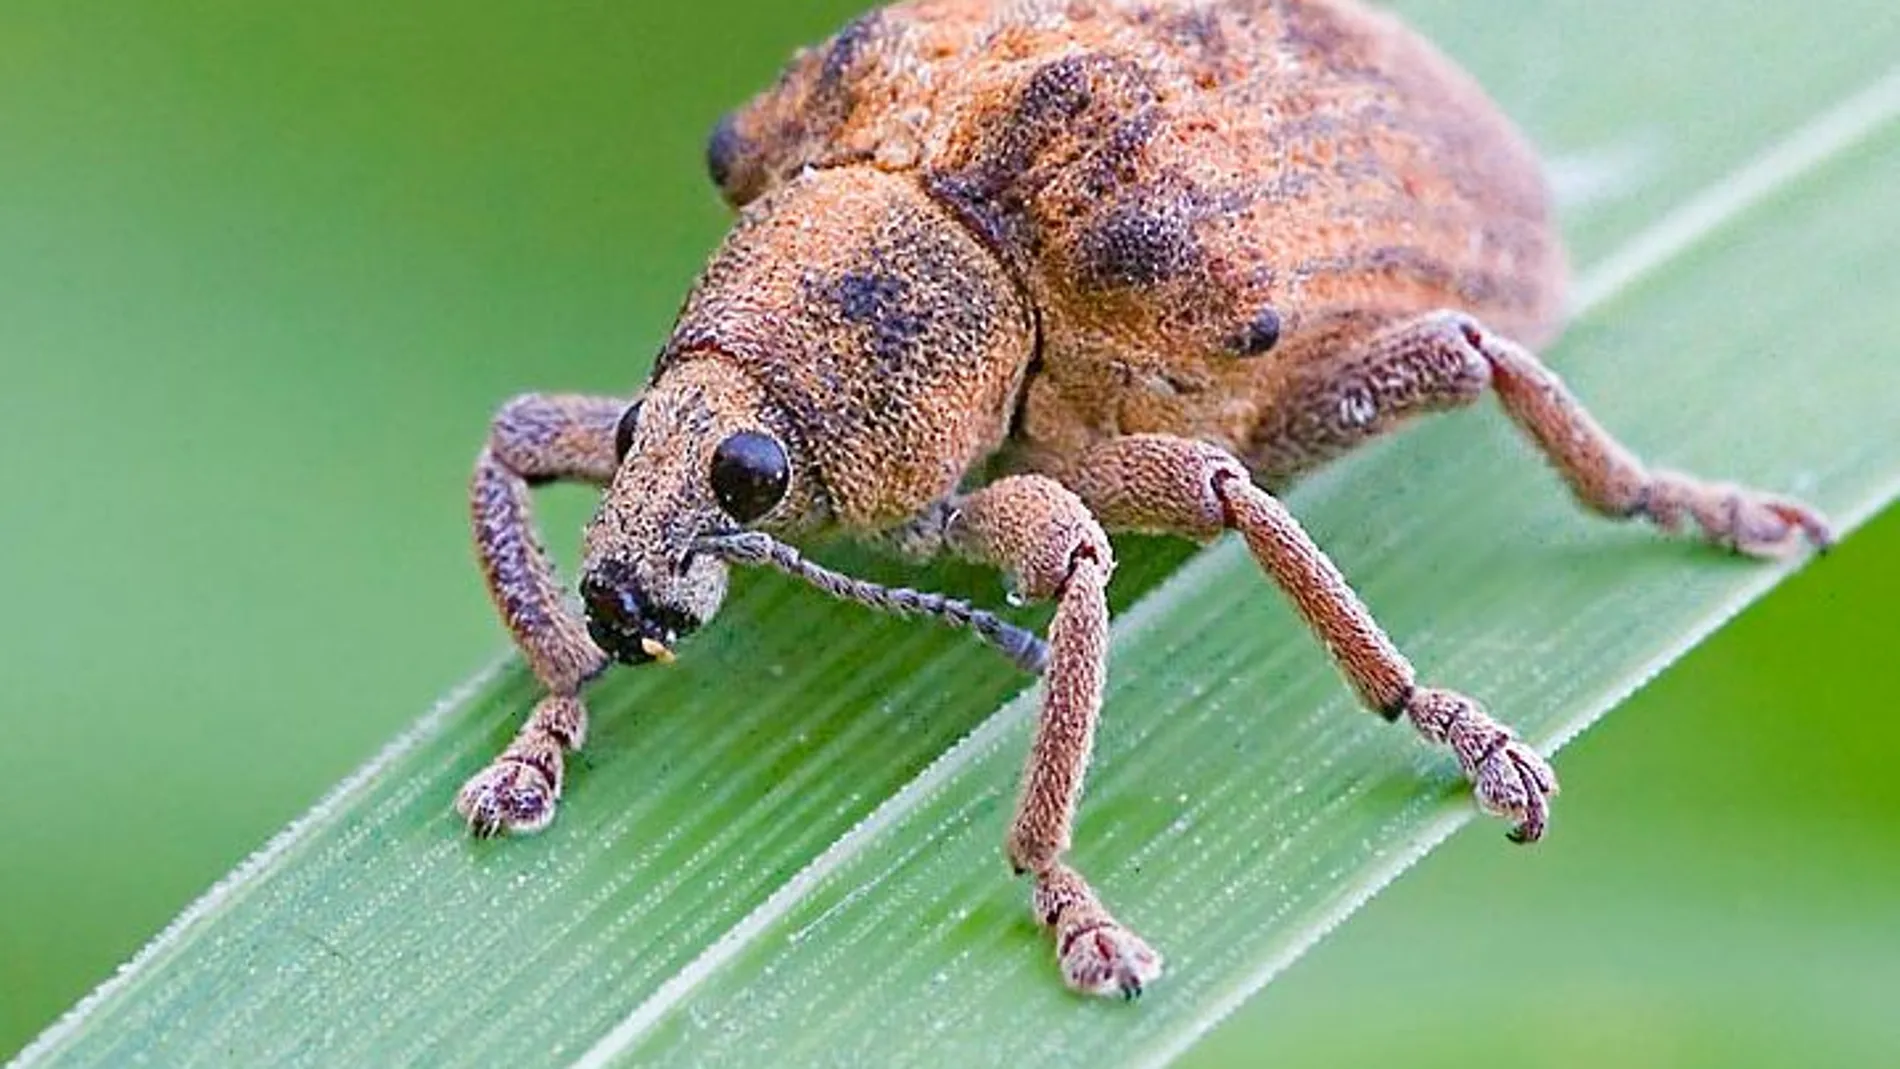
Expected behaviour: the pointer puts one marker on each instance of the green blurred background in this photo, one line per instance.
(265, 270)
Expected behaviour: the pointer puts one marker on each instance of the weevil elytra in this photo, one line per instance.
(1136, 263)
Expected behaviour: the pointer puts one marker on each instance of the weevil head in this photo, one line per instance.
(848, 354)
(702, 452)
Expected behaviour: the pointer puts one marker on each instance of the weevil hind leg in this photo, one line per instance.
(1040, 533)
(1168, 485)
(535, 439)
(1448, 359)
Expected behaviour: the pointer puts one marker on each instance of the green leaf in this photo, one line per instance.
(781, 851)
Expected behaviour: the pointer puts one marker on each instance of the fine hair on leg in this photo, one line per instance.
(535, 439)
(1328, 403)
(1163, 484)
(1038, 531)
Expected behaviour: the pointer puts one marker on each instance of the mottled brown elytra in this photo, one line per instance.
(1138, 262)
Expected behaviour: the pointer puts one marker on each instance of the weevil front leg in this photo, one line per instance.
(1164, 484)
(1448, 359)
(1044, 537)
(535, 439)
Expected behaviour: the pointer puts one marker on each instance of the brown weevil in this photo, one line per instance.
(1136, 262)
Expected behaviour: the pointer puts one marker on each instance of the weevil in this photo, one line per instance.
(1007, 275)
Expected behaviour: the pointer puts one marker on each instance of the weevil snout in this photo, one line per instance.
(698, 457)
(627, 622)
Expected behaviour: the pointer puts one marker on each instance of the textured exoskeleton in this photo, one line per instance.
(1139, 260)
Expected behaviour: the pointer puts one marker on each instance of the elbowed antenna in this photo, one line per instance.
(1020, 645)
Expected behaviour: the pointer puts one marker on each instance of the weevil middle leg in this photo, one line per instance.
(535, 439)
(1043, 536)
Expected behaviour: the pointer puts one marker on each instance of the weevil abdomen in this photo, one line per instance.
(1196, 196)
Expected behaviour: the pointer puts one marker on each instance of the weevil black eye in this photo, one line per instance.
(623, 431)
(749, 475)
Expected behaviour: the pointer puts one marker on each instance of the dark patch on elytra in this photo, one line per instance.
(990, 190)
(1200, 29)
(833, 94)
(1089, 107)
(1058, 91)
(1318, 34)
(845, 50)
(1136, 246)
(1474, 287)
(1116, 162)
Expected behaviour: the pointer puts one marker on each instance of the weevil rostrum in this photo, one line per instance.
(1008, 275)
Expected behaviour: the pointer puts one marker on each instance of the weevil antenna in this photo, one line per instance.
(1020, 645)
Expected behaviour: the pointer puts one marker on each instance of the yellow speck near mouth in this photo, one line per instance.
(654, 649)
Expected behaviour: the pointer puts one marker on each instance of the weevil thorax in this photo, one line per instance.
(881, 335)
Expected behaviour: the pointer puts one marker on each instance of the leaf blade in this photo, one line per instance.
(1409, 799)
(387, 905)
